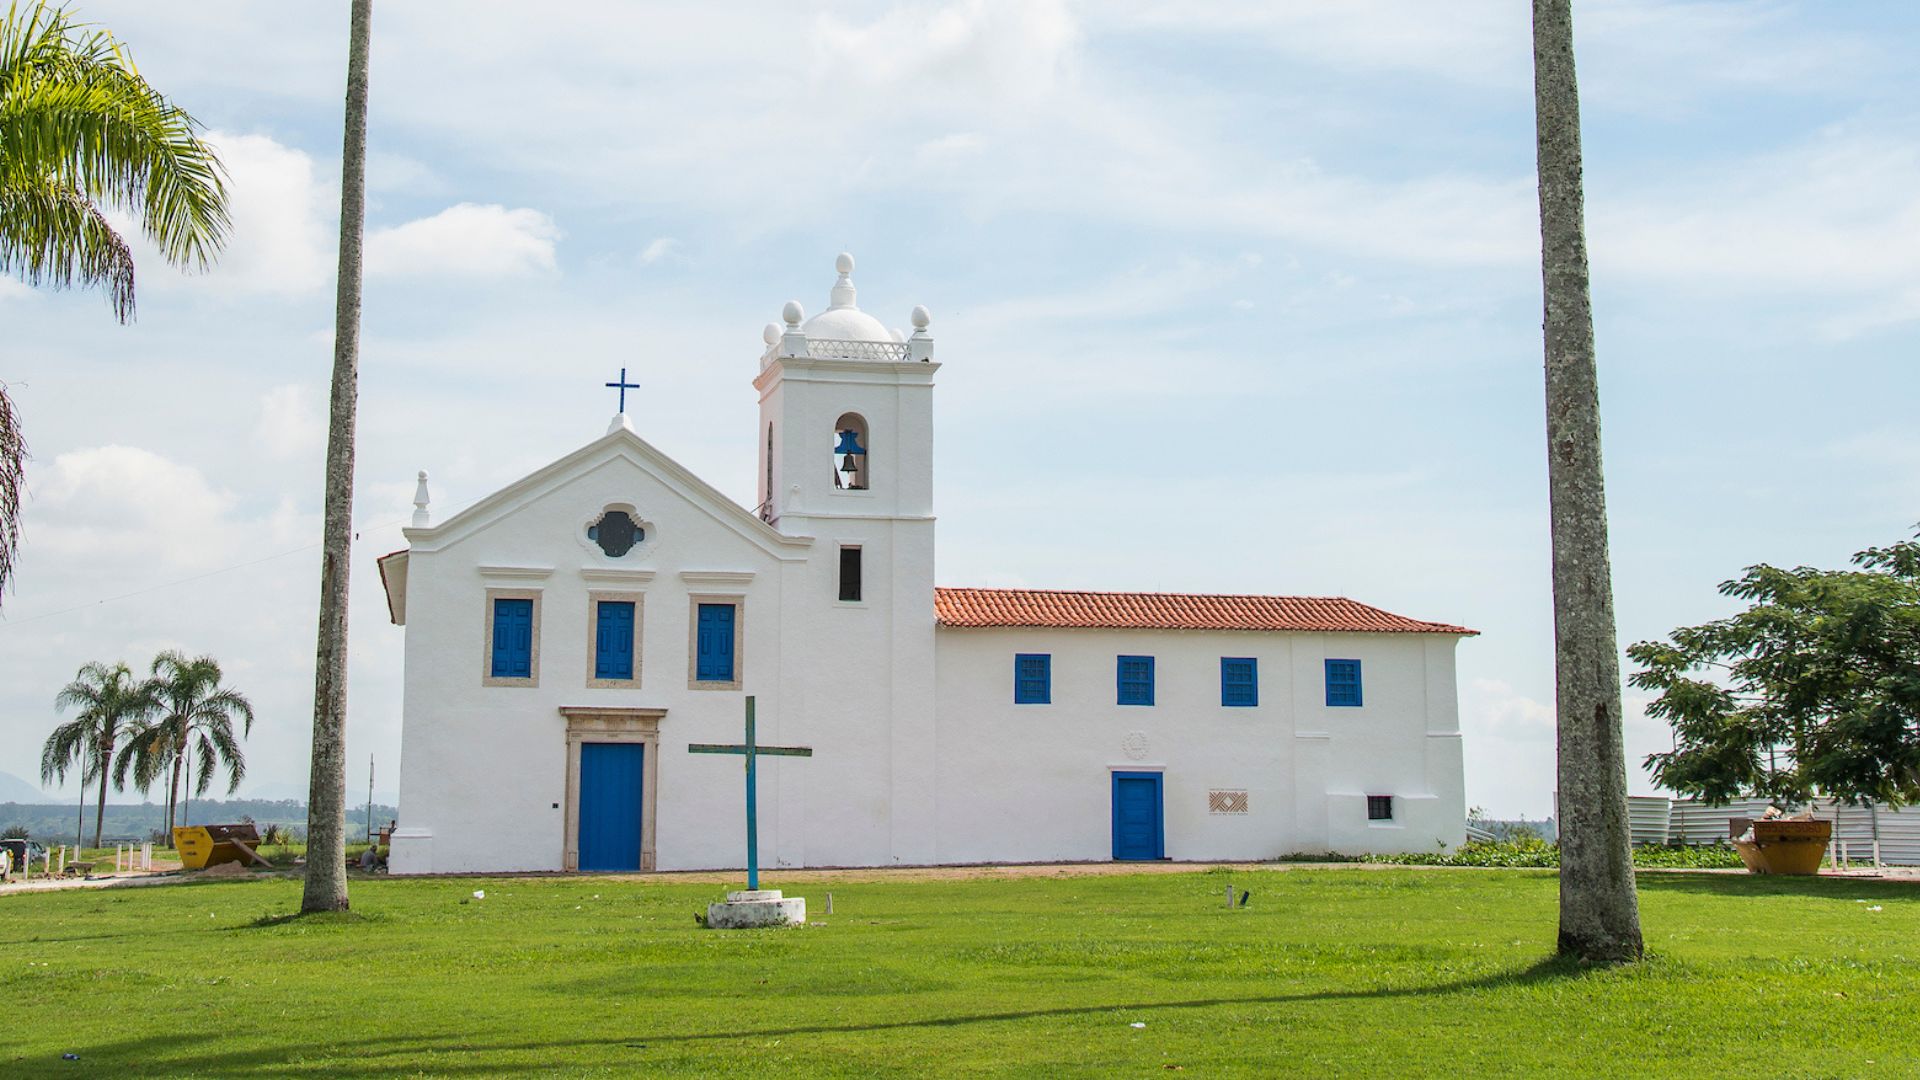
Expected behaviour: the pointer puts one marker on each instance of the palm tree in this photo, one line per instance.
(81, 132)
(1599, 910)
(326, 878)
(108, 699)
(192, 723)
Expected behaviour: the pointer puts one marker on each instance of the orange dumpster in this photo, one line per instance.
(1785, 846)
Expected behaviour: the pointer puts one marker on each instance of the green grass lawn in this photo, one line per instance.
(1387, 972)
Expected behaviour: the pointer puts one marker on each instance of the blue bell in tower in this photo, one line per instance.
(851, 448)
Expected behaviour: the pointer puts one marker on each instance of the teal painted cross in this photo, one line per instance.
(751, 750)
(623, 386)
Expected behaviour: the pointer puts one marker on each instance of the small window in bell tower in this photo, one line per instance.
(850, 453)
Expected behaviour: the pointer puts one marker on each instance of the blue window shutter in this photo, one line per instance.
(1134, 674)
(512, 639)
(1239, 681)
(1343, 683)
(613, 640)
(1033, 679)
(715, 641)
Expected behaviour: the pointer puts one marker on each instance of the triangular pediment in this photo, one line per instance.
(620, 443)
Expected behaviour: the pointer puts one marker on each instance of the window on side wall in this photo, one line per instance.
(1033, 679)
(1239, 681)
(1343, 683)
(1379, 808)
(1134, 674)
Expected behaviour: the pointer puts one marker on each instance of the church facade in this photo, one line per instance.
(568, 638)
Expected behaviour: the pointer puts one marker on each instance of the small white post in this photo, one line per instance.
(146, 856)
(1229, 896)
(829, 903)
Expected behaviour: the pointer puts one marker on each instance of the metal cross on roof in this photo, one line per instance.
(751, 750)
(623, 386)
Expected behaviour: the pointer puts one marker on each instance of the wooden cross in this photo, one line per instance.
(750, 750)
(623, 386)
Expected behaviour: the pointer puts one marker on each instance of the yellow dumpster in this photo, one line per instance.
(201, 846)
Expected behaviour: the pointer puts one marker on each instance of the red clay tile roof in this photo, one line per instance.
(1171, 611)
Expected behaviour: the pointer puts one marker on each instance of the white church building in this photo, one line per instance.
(568, 637)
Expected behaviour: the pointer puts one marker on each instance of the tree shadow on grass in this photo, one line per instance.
(1737, 885)
(305, 918)
(409, 1054)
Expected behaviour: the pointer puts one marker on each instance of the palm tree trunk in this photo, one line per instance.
(100, 811)
(173, 792)
(326, 884)
(1599, 910)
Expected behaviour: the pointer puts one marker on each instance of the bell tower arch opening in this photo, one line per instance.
(850, 456)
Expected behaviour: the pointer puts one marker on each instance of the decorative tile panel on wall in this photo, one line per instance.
(1226, 802)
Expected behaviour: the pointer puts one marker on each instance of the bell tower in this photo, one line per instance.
(846, 458)
(846, 414)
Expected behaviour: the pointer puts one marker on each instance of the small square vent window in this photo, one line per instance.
(1379, 808)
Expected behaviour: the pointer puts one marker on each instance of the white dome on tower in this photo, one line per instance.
(843, 320)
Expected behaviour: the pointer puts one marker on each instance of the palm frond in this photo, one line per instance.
(63, 748)
(13, 480)
(51, 235)
(77, 117)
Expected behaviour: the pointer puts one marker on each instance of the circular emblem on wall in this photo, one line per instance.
(1135, 744)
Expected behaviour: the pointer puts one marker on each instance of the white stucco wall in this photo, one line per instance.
(1033, 782)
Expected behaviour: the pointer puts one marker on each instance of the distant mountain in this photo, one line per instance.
(14, 789)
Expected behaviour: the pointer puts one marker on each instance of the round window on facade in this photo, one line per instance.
(616, 532)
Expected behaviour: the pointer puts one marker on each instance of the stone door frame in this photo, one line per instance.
(600, 724)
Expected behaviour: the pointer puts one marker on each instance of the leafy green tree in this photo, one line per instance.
(193, 719)
(110, 700)
(82, 132)
(1813, 690)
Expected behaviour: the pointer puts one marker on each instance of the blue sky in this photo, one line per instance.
(1231, 297)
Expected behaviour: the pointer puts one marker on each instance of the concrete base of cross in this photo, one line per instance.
(746, 910)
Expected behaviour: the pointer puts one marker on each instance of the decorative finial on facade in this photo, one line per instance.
(843, 289)
(421, 519)
(771, 335)
(920, 345)
(619, 423)
(793, 313)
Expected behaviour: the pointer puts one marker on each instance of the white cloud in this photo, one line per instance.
(466, 240)
(1495, 710)
(291, 423)
(388, 171)
(99, 504)
(658, 249)
(282, 236)
(1012, 50)
(1837, 214)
